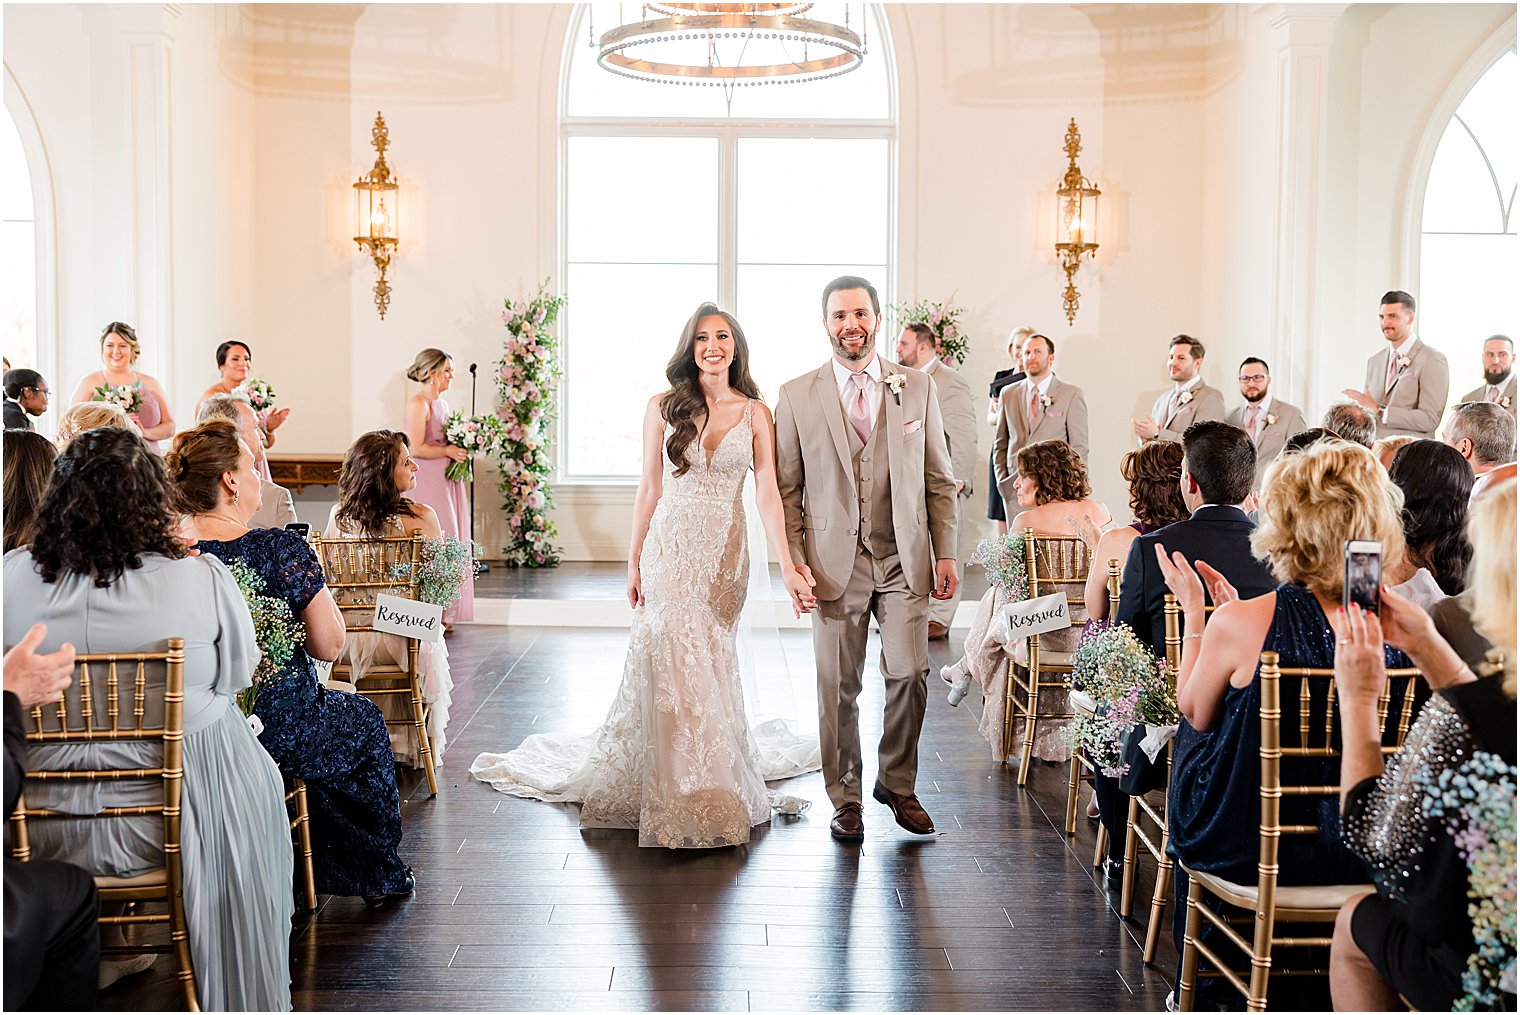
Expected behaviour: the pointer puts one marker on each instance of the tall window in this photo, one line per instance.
(1470, 254)
(18, 252)
(673, 196)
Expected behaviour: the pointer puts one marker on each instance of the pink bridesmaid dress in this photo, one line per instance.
(451, 502)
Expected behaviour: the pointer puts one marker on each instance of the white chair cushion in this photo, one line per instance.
(1083, 702)
(1297, 897)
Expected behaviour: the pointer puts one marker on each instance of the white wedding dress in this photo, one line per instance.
(676, 756)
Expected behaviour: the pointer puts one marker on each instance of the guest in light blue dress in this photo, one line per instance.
(107, 573)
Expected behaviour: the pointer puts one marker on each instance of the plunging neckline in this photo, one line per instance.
(710, 455)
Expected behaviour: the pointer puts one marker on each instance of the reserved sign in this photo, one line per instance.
(408, 618)
(1037, 616)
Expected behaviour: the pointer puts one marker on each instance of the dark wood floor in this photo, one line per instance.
(518, 908)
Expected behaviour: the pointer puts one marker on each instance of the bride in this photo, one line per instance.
(676, 757)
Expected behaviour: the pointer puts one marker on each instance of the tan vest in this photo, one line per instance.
(873, 486)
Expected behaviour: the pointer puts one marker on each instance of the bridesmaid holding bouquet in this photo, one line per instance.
(426, 415)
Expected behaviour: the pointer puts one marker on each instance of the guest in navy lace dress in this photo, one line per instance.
(337, 742)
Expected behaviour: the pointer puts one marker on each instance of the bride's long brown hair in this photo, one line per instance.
(681, 404)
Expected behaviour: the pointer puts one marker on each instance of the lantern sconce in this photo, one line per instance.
(1076, 220)
(375, 213)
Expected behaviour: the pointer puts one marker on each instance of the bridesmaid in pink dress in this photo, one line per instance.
(235, 360)
(426, 412)
(119, 350)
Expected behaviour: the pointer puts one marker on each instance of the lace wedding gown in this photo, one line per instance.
(676, 757)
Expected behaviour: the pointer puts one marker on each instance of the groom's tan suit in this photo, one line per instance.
(869, 517)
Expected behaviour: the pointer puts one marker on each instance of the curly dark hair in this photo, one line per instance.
(368, 497)
(107, 505)
(1058, 473)
(1154, 474)
(28, 467)
(684, 401)
(1437, 482)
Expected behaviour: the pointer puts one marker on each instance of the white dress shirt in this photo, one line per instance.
(842, 377)
(1402, 349)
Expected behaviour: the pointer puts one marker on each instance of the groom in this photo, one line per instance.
(863, 469)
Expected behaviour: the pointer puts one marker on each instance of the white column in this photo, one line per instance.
(132, 48)
(1303, 34)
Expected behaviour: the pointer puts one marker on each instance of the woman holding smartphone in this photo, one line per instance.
(1310, 503)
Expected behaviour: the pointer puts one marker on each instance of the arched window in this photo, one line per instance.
(18, 254)
(671, 196)
(1469, 251)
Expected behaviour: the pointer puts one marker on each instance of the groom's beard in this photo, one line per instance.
(1496, 377)
(867, 346)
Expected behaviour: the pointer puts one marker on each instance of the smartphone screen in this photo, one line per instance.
(303, 529)
(1364, 574)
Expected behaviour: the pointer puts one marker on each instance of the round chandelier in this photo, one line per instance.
(733, 44)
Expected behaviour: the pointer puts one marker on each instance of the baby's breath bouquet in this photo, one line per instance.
(1002, 557)
(260, 394)
(1477, 803)
(275, 630)
(128, 396)
(1124, 677)
(446, 562)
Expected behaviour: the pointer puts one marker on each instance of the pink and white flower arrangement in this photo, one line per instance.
(128, 396)
(527, 382)
(260, 394)
(479, 435)
(943, 318)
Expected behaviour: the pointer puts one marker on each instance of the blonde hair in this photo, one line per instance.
(1386, 447)
(1018, 338)
(427, 361)
(91, 416)
(126, 333)
(1491, 528)
(1314, 501)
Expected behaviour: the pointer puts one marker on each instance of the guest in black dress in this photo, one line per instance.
(1414, 937)
(336, 741)
(996, 511)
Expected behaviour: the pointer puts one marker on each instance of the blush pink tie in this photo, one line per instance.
(1253, 421)
(1034, 409)
(860, 413)
(1493, 393)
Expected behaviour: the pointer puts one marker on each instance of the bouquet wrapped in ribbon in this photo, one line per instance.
(128, 396)
(478, 435)
(260, 394)
(275, 630)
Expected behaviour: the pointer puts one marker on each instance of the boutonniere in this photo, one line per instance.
(1271, 420)
(1046, 401)
(1403, 363)
(1504, 401)
(1185, 398)
(895, 381)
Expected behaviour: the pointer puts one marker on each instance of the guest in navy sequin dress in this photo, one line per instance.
(337, 742)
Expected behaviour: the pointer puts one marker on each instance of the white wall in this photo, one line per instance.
(269, 110)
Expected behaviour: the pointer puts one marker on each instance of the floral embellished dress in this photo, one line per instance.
(336, 741)
(676, 756)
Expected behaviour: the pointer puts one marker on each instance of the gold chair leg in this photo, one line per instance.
(1100, 850)
(1073, 786)
(1131, 853)
(424, 745)
(1261, 958)
(1189, 974)
(303, 833)
(1158, 906)
(1008, 690)
(1026, 756)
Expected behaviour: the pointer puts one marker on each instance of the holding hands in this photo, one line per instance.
(799, 585)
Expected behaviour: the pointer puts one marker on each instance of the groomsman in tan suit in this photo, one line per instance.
(869, 499)
(916, 348)
(1038, 408)
(1498, 380)
(1407, 383)
(1189, 401)
(1269, 422)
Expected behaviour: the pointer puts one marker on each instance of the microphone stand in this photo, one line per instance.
(481, 567)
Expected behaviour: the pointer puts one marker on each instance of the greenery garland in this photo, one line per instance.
(526, 378)
(944, 319)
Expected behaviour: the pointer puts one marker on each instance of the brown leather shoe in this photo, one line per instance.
(906, 809)
(849, 823)
(937, 631)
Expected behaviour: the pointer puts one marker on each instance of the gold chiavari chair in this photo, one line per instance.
(1081, 769)
(358, 570)
(1265, 903)
(1048, 560)
(300, 831)
(143, 711)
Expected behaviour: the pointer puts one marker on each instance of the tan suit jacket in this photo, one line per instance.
(1206, 403)
(1283, 421)
(957, 408)
(1065, 419)
(1417, 400)
(817, 479)
(276, 509)
(1506, 390)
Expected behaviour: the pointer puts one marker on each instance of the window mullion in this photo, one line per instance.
(728, 219)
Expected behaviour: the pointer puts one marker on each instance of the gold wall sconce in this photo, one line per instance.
(1076, 220)
(375, 213)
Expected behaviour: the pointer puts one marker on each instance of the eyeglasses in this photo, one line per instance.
(44, 392)
(1252, 378)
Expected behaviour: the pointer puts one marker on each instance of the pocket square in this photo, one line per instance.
(912, 426)
(1053, 413)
